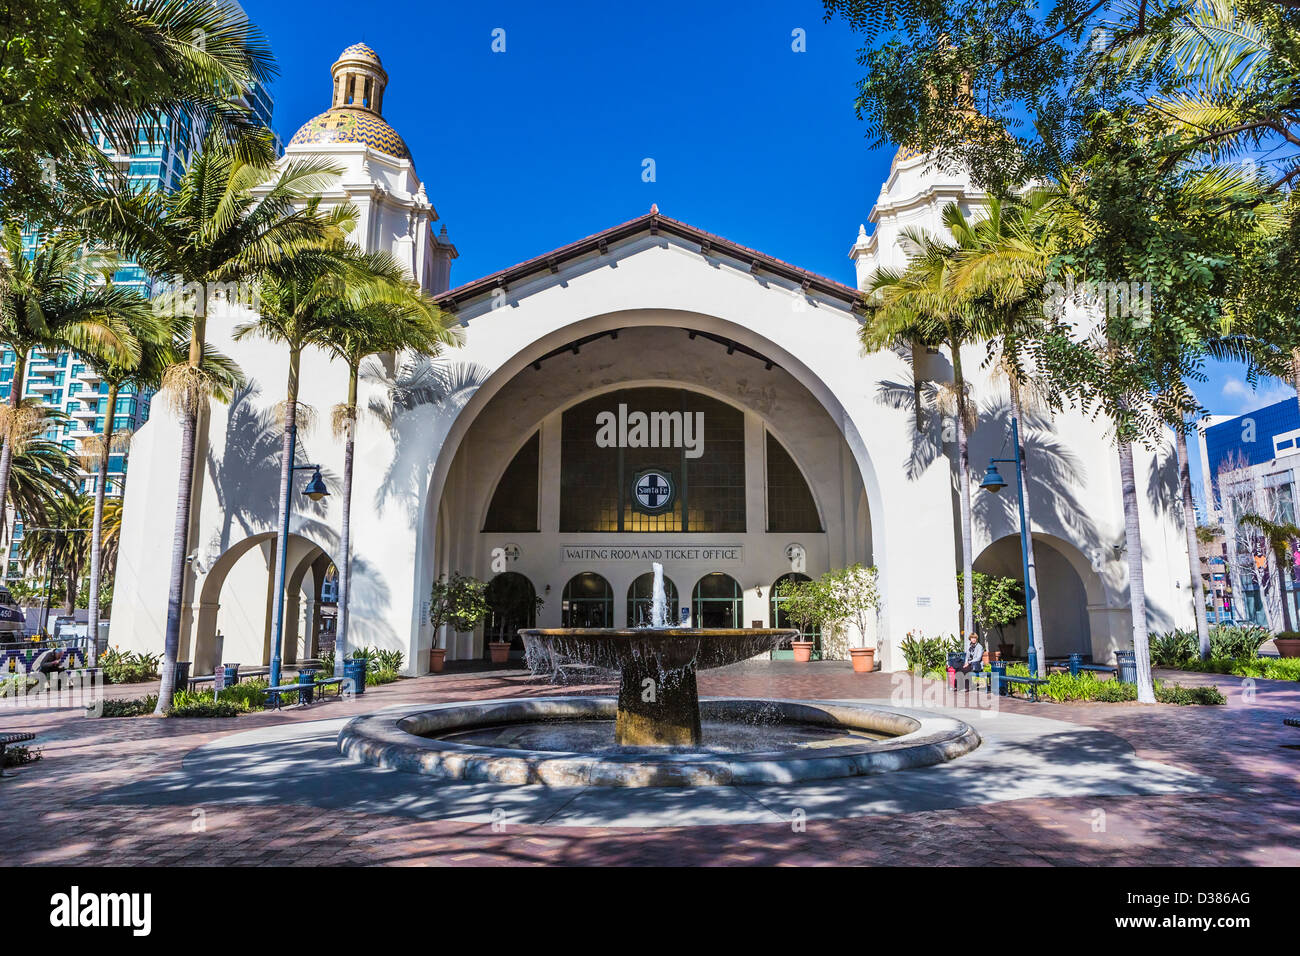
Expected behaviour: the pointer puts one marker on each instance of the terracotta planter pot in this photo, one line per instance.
(997, 656)
(802, 651)
(1287, 646)
(986, 659)
(500, 651)
(436, 657)
(864, 659)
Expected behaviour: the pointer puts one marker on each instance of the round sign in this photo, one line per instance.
(653, 491)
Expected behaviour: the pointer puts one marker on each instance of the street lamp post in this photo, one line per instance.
(315, 490)
(994, 482)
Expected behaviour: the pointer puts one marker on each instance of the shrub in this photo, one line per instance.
(387, 660)
(1177, 694)
(381, 677)
(129, 668)
(924, 654)
(17, 756)
(1236, 641)
(1174, 648)
(201, 704)
(17, 684)
(247, 695)
(130, 707)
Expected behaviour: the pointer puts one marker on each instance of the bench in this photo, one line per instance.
(1033, 683)
(273, 693)
(6, 740)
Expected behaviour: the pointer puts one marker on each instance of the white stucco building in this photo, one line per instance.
(806, 458)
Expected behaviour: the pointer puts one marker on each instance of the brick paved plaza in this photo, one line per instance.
(1195, 786)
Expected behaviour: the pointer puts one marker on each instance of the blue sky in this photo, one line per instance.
(529, 149)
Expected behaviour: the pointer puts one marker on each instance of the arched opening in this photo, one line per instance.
(512, 604)
(236, 599)
(1062, 596)
(779, 618)
(718, 601)
(588, 601)
(592, 456)
(640, 598)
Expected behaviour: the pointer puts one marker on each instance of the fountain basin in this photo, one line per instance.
(871, 740)
(658, 703)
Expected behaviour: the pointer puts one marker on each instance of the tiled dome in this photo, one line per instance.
(360, 49)
(350, 124)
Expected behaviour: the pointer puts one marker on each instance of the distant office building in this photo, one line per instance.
(63, 381)
(1251, 463)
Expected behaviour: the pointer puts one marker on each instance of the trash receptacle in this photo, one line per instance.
(232, 674)
(998, 670)
(1126, 662)
(307, 680)
(1076, 664)
(354, 669)
(182, 676)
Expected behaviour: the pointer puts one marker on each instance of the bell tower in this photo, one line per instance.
(359, 79)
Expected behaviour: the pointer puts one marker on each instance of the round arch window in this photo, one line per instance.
(718, 601)
(640, 597)
(588, 601)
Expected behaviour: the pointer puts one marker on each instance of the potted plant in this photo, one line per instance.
(858, 591)
(1287, 643)
(809, 605)
(456, 601)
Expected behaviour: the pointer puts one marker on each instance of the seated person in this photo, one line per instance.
(973, 662)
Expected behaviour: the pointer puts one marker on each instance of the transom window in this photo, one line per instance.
(652, 459)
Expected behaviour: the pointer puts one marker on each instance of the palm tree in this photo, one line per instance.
(102, 66)
(62, 546)
(157, 353)
(51, 300)
(380, 322)
(1002, 265)
(917, 306)
(306, 303)
(227, 222)
(42, 472)
(1280, 537)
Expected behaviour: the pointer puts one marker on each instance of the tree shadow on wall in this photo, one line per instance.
(420, 396)
(247, 476)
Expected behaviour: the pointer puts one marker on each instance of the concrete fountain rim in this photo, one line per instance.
(391, 741)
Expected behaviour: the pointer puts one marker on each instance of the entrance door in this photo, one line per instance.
(512, 604)
(779, 619)
(588, 602)
(718, 602)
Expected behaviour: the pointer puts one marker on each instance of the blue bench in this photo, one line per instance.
(273, 694)
(1032, 683)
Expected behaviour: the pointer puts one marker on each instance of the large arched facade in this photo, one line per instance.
(544, 480)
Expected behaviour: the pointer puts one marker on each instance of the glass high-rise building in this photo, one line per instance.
(61, 380)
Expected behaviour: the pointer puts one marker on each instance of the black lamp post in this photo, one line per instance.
(315, 491)
(994, 482)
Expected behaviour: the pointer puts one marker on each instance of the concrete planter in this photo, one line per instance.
(802, 651)
(437, 656)
(500, 651)
(864, 659)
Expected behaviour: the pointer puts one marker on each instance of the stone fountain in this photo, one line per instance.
(658, 740)
(658, 702)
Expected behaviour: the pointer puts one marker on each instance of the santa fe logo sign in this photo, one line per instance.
(653, 491)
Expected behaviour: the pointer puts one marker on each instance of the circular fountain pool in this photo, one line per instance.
(568, 741)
